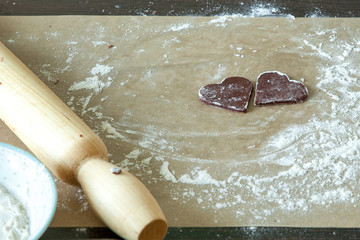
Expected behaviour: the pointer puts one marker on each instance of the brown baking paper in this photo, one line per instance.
(135, 82)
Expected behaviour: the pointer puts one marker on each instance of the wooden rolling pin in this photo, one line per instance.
(74, 153)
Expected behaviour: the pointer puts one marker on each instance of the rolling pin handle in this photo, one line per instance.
(121, 201)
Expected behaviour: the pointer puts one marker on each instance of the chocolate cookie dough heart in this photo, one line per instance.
(232, 93)
(276, 87)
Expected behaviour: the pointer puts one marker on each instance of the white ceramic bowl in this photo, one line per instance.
(29, 181)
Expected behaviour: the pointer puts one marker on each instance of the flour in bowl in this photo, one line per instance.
(14, 222)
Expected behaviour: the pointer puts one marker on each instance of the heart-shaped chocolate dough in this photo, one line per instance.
(232, 93)
(276, 87)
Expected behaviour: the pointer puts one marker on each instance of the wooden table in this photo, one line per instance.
(301, 8)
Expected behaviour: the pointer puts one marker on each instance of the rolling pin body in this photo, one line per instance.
(74, 153)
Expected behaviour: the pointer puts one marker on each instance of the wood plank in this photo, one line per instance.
(302, 8)
(243, 233)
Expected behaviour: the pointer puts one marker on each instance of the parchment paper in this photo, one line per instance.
(134, 81)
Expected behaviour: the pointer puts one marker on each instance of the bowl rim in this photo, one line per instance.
(52, 184)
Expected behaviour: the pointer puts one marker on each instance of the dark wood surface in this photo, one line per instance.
(224, 233)
(300, 8)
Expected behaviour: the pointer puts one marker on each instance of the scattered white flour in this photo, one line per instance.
(111, 131)
(165, 172)
(71, 42)
(315, 13)
(200, 177)
(14, 222)
(94, 83)
(134, 154)
(179, 27)
(98, 43)
(261, 10)
(90, 83)
(220, 72)
(101, 70)
(84, 205)
(220, 20)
